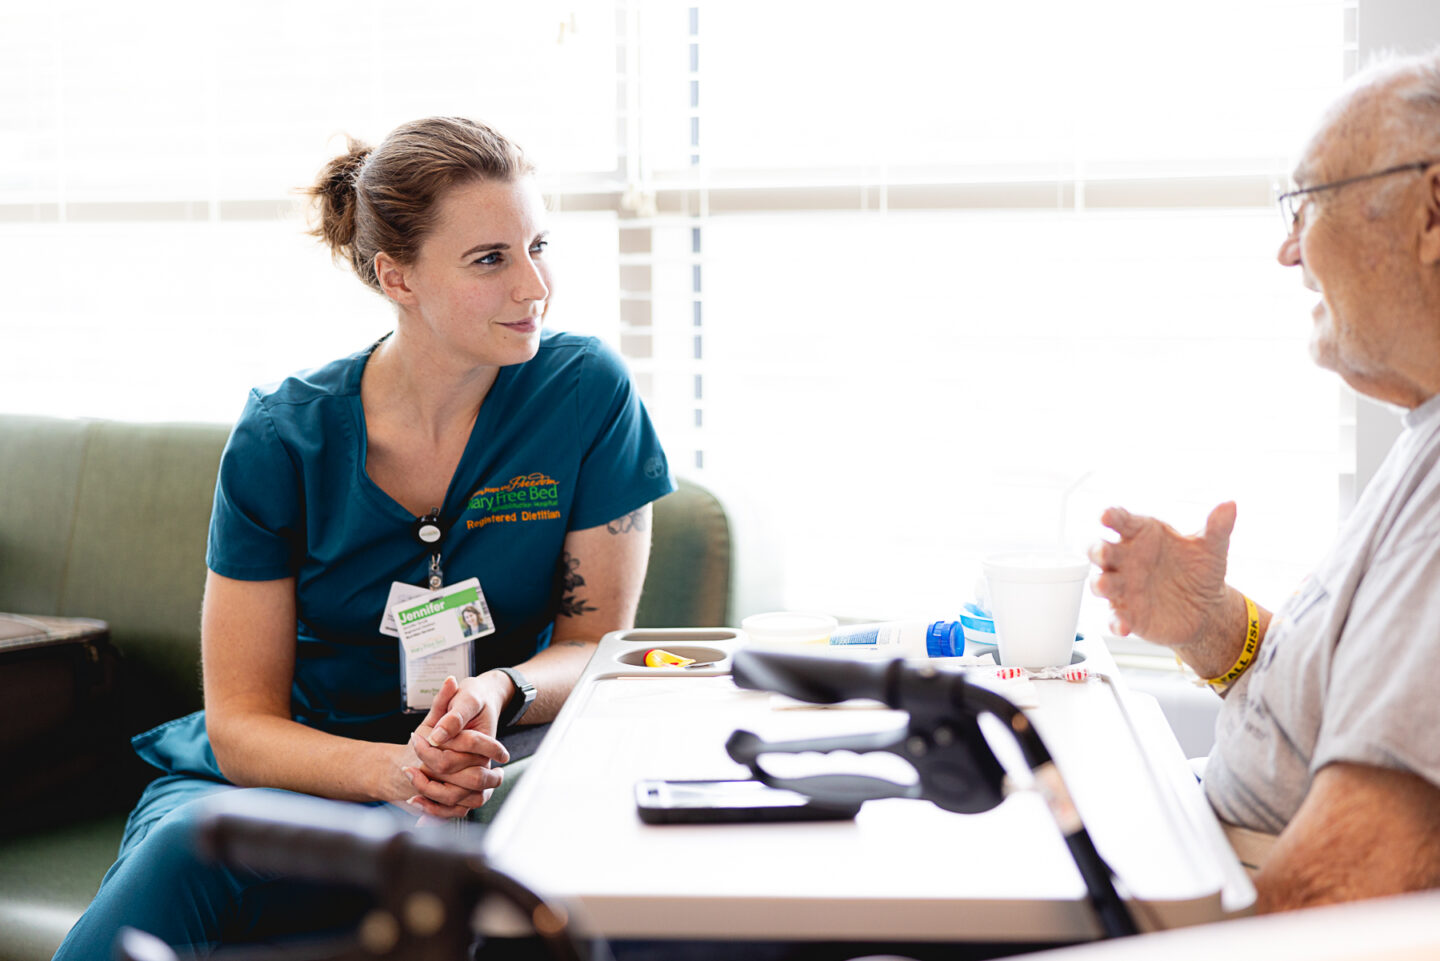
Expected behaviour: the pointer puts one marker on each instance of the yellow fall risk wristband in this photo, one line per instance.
(1247, 652)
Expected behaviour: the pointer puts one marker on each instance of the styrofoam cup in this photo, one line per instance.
(1035, 597)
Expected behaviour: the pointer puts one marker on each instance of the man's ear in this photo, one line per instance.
(1430, 231)
(393, 280)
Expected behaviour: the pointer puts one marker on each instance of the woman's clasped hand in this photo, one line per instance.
(450, 759)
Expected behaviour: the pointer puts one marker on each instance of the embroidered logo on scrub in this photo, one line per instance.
(530, 497)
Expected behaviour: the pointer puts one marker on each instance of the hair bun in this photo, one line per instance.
(334, 196)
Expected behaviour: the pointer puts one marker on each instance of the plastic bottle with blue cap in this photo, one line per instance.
(902, 638)
(889, 638)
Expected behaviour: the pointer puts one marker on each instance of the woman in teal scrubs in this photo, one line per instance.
(518, 445)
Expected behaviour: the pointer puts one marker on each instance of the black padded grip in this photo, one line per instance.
(303, 837)
(817, 679)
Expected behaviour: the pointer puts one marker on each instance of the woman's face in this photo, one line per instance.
(479, 288)
(471, 618)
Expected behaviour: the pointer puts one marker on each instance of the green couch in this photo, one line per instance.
(108, 520)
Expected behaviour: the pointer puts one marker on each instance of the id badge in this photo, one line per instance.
(422, 677)
(437, 631)
(399, 591)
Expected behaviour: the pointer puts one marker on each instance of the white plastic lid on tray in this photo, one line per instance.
(789, 627)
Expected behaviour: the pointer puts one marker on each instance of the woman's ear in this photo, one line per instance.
(393, 279)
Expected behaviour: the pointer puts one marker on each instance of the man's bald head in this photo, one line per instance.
(1388, 114)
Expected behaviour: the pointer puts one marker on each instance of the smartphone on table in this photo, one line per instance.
(729, 802)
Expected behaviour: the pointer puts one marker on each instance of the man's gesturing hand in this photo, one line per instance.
(1162, 585)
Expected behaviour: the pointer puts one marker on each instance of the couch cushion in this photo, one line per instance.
(137, 554)
(40, 462)
(688, 581)
(109, 519)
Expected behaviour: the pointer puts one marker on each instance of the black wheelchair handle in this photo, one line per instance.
(819, 679)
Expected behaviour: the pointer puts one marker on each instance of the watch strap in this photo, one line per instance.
(520, 701)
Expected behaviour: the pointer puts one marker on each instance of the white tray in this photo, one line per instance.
(901, 870)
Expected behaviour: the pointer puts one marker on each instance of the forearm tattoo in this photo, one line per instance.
(571, 603)
(633, 521)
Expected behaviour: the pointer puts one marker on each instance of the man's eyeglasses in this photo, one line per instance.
(1293, 201)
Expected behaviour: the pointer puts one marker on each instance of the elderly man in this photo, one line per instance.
(1328, 744)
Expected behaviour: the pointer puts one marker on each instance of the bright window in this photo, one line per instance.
(975, 368)
(908, 282)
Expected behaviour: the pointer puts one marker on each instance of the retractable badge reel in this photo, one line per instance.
(428, 532)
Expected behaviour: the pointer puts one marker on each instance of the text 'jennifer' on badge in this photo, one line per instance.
(442, 619)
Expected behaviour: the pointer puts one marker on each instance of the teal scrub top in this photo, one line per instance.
(562, 443)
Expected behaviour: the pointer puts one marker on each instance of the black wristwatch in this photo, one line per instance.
(520, 701)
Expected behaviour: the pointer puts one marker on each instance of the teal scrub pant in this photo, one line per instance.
(161, 885)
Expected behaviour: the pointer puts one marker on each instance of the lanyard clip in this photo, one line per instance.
(430, 534)
(436, 579)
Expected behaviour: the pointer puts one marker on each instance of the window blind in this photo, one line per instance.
(913, 282)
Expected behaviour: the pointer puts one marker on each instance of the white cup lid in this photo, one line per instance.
(1035, 567)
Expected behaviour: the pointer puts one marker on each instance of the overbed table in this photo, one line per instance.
(902, 870)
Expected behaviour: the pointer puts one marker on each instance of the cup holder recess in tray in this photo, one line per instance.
(701, 655)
